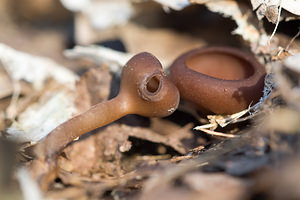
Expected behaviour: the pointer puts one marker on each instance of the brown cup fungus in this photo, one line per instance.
(144, 90)
(218, 80)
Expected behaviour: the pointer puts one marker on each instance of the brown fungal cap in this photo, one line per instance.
(151, 93)
(218, 80)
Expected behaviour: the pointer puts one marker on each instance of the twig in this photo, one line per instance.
(292, 40)
(100, 54)
(215, 133)
(277, 23)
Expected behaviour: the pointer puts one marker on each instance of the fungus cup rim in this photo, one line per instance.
(217, 95)
(232, 52)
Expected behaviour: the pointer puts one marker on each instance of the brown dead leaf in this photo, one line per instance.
(170, 129)
(102, 153)
(174, 132)
(92, 88)
(80, 157)
(268, 11)
(149, 135)
(98, 153)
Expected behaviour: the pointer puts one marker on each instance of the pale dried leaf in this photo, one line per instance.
(256, 3)
(102, 14)
(75, 6)
(34, 69)
(53, 107)
(115, 59)
(231, 8)
(174, 4)
(40, 118)
(292, 6)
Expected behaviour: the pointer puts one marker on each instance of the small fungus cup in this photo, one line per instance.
(218, 80)
(145, 90)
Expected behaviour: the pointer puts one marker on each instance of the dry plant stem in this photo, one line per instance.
(215, 133)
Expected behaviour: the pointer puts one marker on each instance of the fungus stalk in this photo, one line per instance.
(145, 90)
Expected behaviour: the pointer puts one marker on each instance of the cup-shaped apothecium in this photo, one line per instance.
(218, 80)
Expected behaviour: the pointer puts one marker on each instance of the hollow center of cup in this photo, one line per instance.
(220, 65)
(153, 84)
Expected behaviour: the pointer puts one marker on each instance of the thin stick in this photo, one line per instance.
(215, 133)
(293, 39)
(277, 23)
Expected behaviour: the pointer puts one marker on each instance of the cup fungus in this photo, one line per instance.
(218, 80)
(144, 90)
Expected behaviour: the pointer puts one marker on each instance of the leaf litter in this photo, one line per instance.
(141, 158)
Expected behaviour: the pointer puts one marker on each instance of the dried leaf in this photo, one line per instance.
(102, 14)
(102, 153)
(52, 109)
(18, 64)
(233, 9)
(92, 88)
(115, 60)
(174, 4)
(292, 6)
